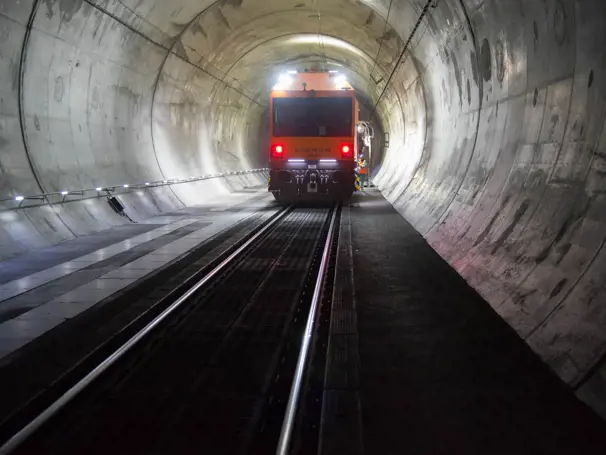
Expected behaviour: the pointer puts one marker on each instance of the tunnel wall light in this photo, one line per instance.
(85, 193)
(340, 79)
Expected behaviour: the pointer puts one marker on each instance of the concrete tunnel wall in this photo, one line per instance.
(495, 118)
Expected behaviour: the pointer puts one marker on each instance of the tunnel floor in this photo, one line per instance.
(439, 370)
(418, 362)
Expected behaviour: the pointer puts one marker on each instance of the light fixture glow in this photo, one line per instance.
(99, 188)
(165, 181)
(333, 71)
(125, 185)
(64, 193)
(328, 41)
(147, 183)
(328, 160)
(284, 79)
(340, 79)
(19, 198)
(292, 72)
(296, 160)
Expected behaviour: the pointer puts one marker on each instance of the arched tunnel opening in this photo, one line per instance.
(494, 112)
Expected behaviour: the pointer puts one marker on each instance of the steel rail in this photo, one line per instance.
(22, 435)
(295, 390)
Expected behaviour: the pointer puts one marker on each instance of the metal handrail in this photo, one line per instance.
(295, 390)
(125, 188)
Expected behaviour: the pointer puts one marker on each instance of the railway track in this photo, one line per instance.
(221, 370)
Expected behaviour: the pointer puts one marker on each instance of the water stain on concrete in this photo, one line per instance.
(387, 36)
(15, 75)
(223, 19)
(492, 221)
(59, 89)
(179, 50)
(558, 288)
(370, 18)
(499, 55)
(509, 229)
(197, 28)
(474, 66)
(486, 60)
(67, 8)
(569, 225)
(559, 23)
(3, 141)
(457, 74)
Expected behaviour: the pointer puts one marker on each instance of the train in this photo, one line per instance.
(313, 139)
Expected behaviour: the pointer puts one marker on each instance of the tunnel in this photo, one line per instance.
(493, 110)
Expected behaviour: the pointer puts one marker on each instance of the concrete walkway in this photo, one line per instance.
(426, 366)
(42, 289)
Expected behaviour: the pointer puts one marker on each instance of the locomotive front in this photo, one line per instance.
(312, 137)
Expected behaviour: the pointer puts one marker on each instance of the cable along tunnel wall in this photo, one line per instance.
(495, 119)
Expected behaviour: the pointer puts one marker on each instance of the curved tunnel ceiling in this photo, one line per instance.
(495, 118)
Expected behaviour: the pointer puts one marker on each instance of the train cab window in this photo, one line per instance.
(312, 117)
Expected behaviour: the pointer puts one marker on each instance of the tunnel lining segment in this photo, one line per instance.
(23, 57)
(478, 122)
(20, 101)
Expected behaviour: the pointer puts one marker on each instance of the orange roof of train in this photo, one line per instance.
(315, 81)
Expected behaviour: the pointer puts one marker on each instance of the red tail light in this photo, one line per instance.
(347, 150)
(277, 151)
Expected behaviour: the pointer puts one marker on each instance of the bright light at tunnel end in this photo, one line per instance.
(284, 79)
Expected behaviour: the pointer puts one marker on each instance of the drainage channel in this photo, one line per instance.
(201, 376)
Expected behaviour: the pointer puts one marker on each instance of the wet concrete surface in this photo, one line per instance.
(440, 371)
